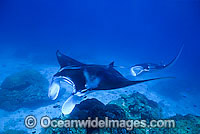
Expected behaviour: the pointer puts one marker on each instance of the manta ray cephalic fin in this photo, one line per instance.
(71, 102)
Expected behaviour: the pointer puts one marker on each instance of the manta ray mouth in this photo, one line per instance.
(70, 82)
(55, 86)
(74, 98)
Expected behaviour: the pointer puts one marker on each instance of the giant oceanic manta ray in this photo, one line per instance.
(85, 78)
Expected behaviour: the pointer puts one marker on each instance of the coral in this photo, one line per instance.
(23, 89)
(188, 124)
(90, 108)
(137, 106)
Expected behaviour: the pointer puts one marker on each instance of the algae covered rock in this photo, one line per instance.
(188, 124)
(94, 108)
(89, 108)
(115, 110)
(137, 106)
(22, 80)
(27, 88)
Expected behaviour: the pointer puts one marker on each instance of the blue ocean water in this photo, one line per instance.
(127, 32)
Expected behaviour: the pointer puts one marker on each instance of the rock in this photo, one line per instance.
(21, 80)
(24, 89)
(90, 108)
(188, 124)
(113, 111)
(33, 132)
(94, 108)
(137, 106)
(57, 106)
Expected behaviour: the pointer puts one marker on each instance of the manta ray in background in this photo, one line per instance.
(148, 67)
(85, 78)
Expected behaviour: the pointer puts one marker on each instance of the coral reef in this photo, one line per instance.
(135, 106)
(23, 89)
(188, 124)
(89, 108)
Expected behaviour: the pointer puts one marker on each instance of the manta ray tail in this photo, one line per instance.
(176, 58)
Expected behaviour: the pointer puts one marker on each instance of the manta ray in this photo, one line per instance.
(84, 79)
(149, 67)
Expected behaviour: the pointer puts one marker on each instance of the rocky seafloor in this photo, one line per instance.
(136, 107)
(25, 93)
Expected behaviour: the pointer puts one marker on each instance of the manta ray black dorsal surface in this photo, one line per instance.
(111, 64)
(92, 76)
(85, 78)
(64, 60)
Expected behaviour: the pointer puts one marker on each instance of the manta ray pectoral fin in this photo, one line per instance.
(141, 81)
(71, 102)
(66, 61)
(136, 70)
(54, 89)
